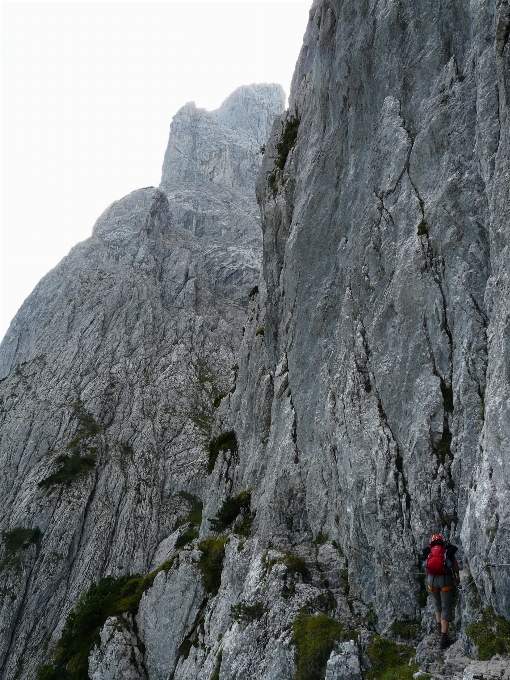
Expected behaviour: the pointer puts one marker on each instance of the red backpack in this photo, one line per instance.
(436, 561)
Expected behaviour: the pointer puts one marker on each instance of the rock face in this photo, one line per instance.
(381, 383)
(110, 374)
(369, 401)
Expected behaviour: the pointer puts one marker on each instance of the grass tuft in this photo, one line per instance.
(389, 660)
(314, 637)
(491, 635)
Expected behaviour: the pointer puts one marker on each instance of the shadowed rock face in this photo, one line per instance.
(371, 386)
(110, 372)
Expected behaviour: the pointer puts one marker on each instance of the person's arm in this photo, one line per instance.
(456, 567)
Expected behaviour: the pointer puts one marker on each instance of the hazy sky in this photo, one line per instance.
(88, 93)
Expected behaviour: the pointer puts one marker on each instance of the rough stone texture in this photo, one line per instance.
(495, 669)
(209, 174)
(380, 384)
(118, 657)
(372, 391)
(168, 613)
(344, 664)
(120, 353)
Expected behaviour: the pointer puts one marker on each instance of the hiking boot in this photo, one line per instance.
(444, 643)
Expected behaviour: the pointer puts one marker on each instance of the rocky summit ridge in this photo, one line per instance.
(229, 471)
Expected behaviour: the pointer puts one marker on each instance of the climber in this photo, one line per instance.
(442, 577)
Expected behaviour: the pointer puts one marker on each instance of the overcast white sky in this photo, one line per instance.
(88, 93)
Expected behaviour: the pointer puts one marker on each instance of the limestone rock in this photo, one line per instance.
(344, 664)
(110, 375)
(118, 657)
(365, 377)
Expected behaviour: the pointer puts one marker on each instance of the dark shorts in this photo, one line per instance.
(443, 600)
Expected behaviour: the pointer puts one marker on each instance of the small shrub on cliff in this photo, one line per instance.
(273, 183)
(226, 441)
(423, 229)
(20, 539)
(247, 612)
(109, 597)
(186, 538)
(211, 562)
(287, 141)
(491, 635)
(16, 540)
(70, 468)
(295, 565)
(229, 512)
(314, 637)
(195, 513)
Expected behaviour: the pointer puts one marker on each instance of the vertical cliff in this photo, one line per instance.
(272, 486)
(111, 372)
(372, 398)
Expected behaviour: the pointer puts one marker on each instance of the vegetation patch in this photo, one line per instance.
(216, 672)
(82, 455)
(321, 538)
(407, 628)
(232, 509)
(287, 141)
(195, 514)
(218, 398)
(18, 539)
(226, 441)
(87, 429)
(273, 183)
(260, 331)
(295, 565)
(246, 613)
(109, 597)
(186, 538)
(211, 562)
(423, 229)
(314, 637)
(491, 635)
(70, 468)
(389, 660)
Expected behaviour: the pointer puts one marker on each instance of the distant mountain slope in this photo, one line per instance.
(111, 372)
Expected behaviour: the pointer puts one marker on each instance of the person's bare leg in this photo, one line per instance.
(444, 626)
